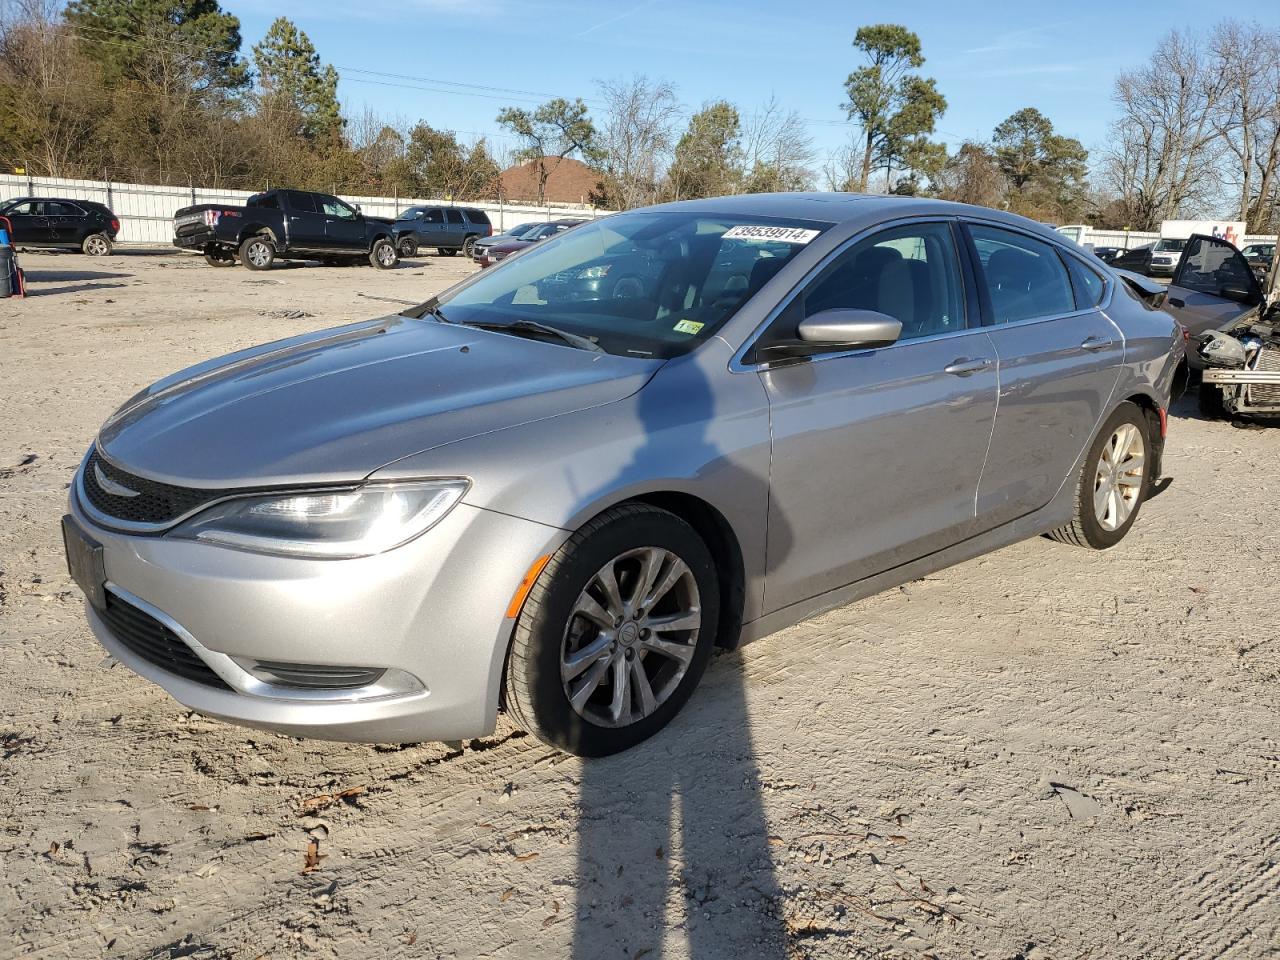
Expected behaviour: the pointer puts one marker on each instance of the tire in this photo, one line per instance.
(219, 258)
(384, 255)
(447, 251)
(1100, 527)
(408, 247)
(1209, 402)
(467, 246)
(258, 252)
(96, 245)
(551, 628)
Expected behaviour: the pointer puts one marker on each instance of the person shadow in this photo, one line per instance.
(673, 842)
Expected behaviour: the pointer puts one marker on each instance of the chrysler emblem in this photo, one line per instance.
(107, 485)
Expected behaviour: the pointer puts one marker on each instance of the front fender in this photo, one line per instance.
(694, 429)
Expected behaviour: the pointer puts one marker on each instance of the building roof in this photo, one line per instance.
(569, 181)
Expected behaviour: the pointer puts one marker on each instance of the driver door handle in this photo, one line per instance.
(1093, 344)
(966, 366)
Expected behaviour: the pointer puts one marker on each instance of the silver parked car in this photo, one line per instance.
(555, 487)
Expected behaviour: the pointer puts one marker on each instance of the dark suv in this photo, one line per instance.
(76, 224)
(448, 229)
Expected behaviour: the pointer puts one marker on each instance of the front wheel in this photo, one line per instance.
(97, 245)
(615, 633)
(408, 247)
(1113, 483)
(384, 255)
(258, 253)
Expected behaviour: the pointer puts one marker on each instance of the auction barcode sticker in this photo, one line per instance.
(777, 234)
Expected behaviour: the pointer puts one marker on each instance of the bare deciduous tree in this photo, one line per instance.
(636, 139)
(1165, 142)
(777, 150)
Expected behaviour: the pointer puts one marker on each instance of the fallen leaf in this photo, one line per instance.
(775, 841)
(897, 838)
(525, 856)
(413, 938)
(1196, 589)
(507, 894)
(200, 806)
(549, 921)
(53, 849)
(312, 862)
(658, 853)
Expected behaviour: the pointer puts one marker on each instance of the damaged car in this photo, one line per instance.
(1233, 328)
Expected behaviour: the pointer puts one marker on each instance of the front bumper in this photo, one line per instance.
(434, 608)
(1162, 269)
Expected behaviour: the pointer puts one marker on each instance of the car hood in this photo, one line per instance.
(337, 405)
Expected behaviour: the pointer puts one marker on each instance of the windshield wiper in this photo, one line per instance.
(532, 326)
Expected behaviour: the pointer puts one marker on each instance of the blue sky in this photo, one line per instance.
(989, 58)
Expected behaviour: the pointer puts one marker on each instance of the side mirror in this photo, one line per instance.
(850, 328)
(835, 330)
(1238, 294)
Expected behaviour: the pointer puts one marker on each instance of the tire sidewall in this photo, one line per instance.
(251, 241)
(377, 261)
(577, 564)
(408, 247)
(104, 246)
(1098, 537)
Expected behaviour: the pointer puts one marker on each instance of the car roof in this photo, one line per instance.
(842, 208)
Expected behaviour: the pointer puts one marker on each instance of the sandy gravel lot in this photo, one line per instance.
(1043, 753)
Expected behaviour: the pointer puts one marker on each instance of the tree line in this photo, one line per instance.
(162, 91)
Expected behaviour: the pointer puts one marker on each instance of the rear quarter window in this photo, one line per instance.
(477, 216)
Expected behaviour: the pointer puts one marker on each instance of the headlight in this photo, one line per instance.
(595, 273)
(330, 525)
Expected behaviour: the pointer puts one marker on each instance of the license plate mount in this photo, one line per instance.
(85, 562)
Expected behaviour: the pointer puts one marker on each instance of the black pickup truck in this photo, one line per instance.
(285, 225)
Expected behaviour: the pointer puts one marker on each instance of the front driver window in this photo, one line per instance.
(910, 273)
(334, 207)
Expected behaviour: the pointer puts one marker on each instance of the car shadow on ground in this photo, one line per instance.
(72, 281)
(673, 843)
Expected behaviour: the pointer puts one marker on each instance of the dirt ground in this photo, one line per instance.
(1042, 753)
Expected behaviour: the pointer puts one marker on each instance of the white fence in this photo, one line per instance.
(1128, 239)
(146, 211)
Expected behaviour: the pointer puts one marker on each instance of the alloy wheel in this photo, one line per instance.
(95, 247)
(258, 254)
(631, 637)
(1117, 482)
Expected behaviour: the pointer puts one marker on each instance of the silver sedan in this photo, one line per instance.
(554, 488)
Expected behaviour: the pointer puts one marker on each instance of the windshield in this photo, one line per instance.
(650, 284)
(411, 214)
(1171, 246)
(521, 230)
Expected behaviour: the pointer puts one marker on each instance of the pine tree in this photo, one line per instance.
(291, 75)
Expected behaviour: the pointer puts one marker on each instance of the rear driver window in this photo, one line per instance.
(1025, 277)
(453, 216)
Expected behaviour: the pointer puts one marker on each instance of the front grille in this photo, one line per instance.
(1265, 393)
(155, 503)
(150, 639)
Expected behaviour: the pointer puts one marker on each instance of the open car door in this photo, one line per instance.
(1212, 287)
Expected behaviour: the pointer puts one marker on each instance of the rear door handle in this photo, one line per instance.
(1093, 344)
(965, 366)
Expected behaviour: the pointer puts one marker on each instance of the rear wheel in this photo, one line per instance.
(384, 255)
(467, 246)
(1113, 482)
(408, 247)
(615, 634)
(97, 245)
(258, 253)
(216, 257)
